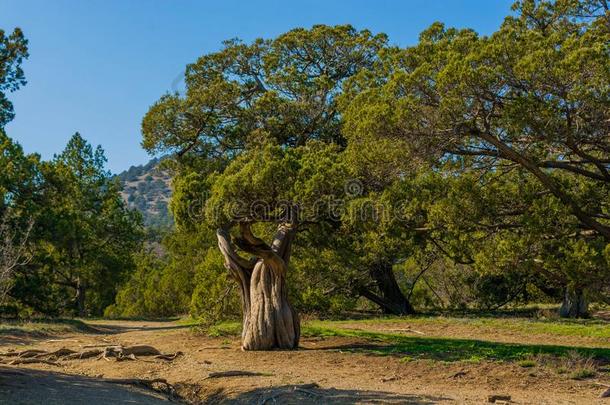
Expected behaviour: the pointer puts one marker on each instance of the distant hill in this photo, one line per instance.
(147, 189)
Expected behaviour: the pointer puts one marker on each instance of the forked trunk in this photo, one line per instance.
(575, 304)
(391, 299)
(269, 321)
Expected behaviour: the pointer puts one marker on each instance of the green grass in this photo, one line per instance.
(225, 329)
(446, 349)
(411, 348)
(527, 363)
(577, 327)
(42, 327)
(583, 374)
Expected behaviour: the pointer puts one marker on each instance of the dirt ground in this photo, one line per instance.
(323, 370)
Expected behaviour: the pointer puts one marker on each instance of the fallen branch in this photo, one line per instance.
(235, 373)
(92, 346)
(32, 361)
(168, 357)
(407, 330)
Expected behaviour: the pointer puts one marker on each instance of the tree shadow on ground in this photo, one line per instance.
(312, 394)
(27, 386)
(29, 331)
(448, 349)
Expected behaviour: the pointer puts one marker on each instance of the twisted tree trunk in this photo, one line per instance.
(269, 321)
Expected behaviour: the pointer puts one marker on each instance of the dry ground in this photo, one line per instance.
(333, 369)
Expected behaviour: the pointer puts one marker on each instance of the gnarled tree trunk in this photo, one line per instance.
(81, 289)
(269, 321)
(575, 304)
(391, 299)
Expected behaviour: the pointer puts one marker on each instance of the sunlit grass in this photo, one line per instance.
(447, 349)
(412, 348)
(576, 327)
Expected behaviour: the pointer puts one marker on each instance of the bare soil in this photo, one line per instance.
(323, 370)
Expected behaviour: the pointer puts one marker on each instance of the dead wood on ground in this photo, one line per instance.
(116, 352)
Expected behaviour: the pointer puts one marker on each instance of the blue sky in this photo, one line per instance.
(96, 66)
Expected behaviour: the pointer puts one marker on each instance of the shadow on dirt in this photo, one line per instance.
(27, 386)
(312, 394)
(445, 349)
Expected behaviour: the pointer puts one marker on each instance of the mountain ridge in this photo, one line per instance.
(147, 188)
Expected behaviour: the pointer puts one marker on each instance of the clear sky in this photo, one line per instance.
(96, 66)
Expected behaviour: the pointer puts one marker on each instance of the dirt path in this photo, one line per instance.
(323, 371)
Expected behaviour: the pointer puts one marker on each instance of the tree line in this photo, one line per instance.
(325, 168)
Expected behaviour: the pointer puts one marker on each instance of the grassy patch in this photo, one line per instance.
(597, 329)
(410, 348)
(527, 363)
(583, 373)
(444, 349)
(224, 329)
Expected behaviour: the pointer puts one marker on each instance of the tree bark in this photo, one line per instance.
(575, 304)
(269, 321)
(80, 297)
(391, 298)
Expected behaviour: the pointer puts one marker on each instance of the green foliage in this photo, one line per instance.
(513, 128)
(83, 235)
(261, 182)
(13, 50)
(214, 297)
(285, 87)
(481, 161)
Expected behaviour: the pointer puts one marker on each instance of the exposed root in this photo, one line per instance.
(84, 354)
(117, 352)
(168, 357)
(32, 361)
(158, 385)
(23, 354)
(63, 352)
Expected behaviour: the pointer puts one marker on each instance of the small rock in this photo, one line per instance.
(495, 398)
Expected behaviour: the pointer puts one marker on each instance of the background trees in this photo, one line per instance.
(531, 98)
(13, 49)
(83, 236)
(463, 171)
